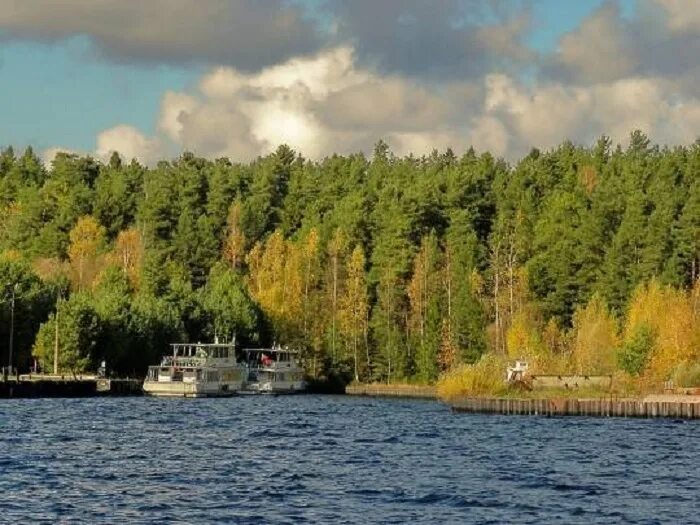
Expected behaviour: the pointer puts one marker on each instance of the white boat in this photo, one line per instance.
(273, 370)
(196, 370)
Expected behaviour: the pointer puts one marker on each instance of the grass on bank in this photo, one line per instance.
(486, 378)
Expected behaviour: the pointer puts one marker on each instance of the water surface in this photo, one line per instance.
(326, 459)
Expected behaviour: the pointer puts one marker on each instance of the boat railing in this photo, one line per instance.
(275, 365)
(183, 361)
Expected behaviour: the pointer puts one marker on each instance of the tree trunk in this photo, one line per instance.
(55, 342)
(496, 292)
(334, 301)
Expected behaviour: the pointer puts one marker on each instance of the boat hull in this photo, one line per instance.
(274, 388)
(181, 389)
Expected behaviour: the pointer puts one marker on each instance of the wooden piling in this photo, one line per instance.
(681, 407)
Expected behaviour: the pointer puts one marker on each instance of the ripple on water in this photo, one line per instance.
(335, 460)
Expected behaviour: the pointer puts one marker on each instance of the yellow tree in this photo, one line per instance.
(594, 338)
(524, 338)
(669, 314)
(447, 355)
(354, 306)
(266, 264)
(309, 273)
(128, 255)
(275, 280)
(292, 289)
(51, 268)
(234, 244)
(87, 239)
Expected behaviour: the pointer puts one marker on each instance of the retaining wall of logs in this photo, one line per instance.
(676, 409)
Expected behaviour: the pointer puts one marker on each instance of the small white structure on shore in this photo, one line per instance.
(516, 373)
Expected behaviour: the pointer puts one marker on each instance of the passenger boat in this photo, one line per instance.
(273, 370)
(197, 370)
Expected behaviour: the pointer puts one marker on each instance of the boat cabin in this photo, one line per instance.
(191, 362)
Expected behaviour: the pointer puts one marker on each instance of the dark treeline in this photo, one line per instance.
(384, 268)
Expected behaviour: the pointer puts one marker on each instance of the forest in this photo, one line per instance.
(381, 268)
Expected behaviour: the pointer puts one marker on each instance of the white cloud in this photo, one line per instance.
(488, 133)
(248, 34)
(48, 155)
(683, 15)
(545, 115)
(173, 107)
(327, 103)
(318, 105)
(601, 49)
(130, 143)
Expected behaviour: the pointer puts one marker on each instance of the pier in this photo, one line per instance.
(676, 407)
(27, 386)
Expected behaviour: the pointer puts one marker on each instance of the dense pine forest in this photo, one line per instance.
(387, 268)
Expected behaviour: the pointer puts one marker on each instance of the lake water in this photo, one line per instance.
(326, 459)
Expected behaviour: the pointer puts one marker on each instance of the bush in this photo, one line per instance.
(485, 377)
(634, 354)
(687, 374)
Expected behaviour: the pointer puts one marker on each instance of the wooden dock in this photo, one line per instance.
(67, 386)
(382, 390)
(676, 407)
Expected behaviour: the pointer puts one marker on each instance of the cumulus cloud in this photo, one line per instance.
(420, 75)
(130, 143)
(48, 155)
(440, 38)
(683, 16)
(544, 115)
(329, 103)
(248, 34)
(173, 107)
(661, 39)
(318, 105)
(601, 49)
(446, 38)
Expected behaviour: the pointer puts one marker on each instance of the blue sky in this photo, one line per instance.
(64, 94)
(70, 71)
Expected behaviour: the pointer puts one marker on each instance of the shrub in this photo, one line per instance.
(634, 354)
(687, 374)
(485, 377)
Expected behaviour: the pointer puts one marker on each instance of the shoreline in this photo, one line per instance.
(673, 406)
(383, 390)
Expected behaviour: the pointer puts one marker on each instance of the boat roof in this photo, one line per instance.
(206, 345)
(273, 350)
